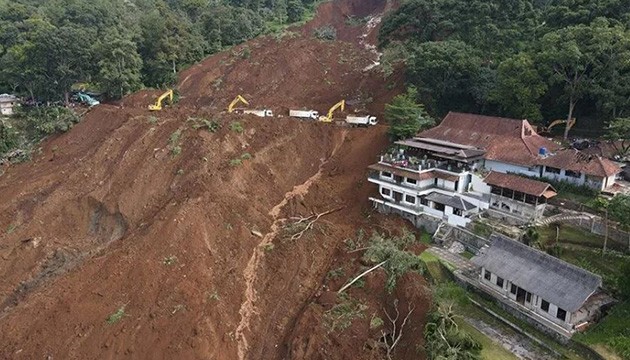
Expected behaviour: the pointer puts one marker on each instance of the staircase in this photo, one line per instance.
(442, 233)
(563, 217)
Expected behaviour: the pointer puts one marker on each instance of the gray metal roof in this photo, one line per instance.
(442, 147)
(450, 200)
(556, 281)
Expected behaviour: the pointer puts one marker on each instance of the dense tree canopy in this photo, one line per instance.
(119, 45)
(541, 60)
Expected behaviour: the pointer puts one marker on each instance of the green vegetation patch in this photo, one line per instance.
(341, 316)
(489, 349)
(613, 331)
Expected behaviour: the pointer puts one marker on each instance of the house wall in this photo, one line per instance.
(609, 181)
(505, 168)
(562, 176)
(477, 185)
(518, 208)
(535, 304)
(6, 108)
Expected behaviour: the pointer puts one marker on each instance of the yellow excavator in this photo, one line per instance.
(329, 117)
(547, 129)
(236, 100)
(158, 102)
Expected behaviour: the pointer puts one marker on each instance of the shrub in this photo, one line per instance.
(236, 126)
(327, 32)
(117, 316)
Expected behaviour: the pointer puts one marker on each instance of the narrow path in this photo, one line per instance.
(248, 307)
(517, 344)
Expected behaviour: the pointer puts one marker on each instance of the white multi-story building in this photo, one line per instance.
(442, 179)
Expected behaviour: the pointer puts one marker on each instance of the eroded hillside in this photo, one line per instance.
(149, 235)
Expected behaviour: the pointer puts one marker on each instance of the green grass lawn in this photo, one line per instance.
(613, 331)
(572, 235)
(435, 268)
(490, 350)
(426, 238)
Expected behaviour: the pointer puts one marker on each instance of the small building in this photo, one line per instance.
(558, 295)
(518, 196)
(7, 103)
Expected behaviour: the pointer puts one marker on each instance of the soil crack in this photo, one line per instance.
(248, 307)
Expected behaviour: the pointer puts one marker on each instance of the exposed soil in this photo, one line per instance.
(182, 232)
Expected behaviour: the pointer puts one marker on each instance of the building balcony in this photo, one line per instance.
(412, 163)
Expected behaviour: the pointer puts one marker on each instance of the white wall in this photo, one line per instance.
(511, 168)
(6, 109)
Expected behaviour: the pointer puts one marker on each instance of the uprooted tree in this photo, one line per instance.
(445, 340)
(392, 337)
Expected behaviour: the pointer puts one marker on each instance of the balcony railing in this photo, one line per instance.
(415, 164)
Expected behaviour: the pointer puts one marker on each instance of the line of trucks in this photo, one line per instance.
(366, 120)
(350, 120)
(313, 115)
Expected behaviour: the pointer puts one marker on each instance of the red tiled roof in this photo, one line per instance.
(508, 140)
(578, 161)
(521, 184)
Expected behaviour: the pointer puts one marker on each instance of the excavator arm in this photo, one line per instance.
(158, 103)
(329, 116)
(236, 100)
(560, 121)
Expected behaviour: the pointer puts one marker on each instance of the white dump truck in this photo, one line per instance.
(307, 114)
(361, 120)
(261, 113)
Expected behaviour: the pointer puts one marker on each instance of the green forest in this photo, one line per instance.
(118, 46)
(535, 59)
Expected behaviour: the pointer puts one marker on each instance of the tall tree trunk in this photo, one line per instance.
(569, 117)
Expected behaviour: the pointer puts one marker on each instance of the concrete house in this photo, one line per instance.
(560, 296)
(428, 177)
(7, 103)
(513, 146)
(518, 196)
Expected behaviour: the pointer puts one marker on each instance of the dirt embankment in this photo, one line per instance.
(145, 235)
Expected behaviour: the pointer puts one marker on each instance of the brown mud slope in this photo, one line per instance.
(143, 235)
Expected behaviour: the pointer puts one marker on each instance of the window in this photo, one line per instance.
(457, 212)
(561, 314)
(386, 192)
(410, 199)
(424, 201)
(544, 305)
(386, 174)
(500, 282)
(571, 173)
(528, 297)
(513, 289)
(411, 181)
(552, 170)
(487, 274)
